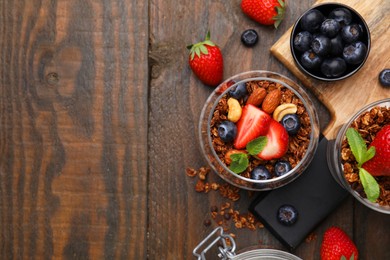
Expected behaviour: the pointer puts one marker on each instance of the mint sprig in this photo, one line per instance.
(370, 185)
(362, 155)
(257, 145)
(358, 147)
(240, 161)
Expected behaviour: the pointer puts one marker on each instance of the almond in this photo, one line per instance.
(272, 101)
(257, 96)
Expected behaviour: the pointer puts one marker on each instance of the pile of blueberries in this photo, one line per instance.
(330, 45)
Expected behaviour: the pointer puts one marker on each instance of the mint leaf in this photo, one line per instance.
(358, 147)
(370, 153)
(239, 162)
(370, 185)
(257, 145)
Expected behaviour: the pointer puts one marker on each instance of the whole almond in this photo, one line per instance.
(257, 96)
(272, 101)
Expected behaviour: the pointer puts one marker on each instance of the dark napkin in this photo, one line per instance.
(315, 194)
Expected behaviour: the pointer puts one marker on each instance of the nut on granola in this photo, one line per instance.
(235, 110)
(257, 96)
(284, 109)
(272, 101)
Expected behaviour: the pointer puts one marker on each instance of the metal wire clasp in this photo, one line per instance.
(214, 237)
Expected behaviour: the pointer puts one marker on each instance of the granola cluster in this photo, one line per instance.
(298, 144)
(223, 215)
(368, 125)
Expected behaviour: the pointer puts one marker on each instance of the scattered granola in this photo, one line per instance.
(368, 125)
(224, 215)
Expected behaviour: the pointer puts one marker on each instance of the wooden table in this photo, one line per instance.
(98, 122)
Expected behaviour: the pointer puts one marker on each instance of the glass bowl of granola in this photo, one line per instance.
(259, 130)
(359, 156)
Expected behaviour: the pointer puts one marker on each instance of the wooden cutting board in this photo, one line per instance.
(344, 98)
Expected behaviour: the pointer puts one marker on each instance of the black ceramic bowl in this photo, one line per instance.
(326, 10)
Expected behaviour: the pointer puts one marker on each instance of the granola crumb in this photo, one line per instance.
(311, 237)
(223, 215)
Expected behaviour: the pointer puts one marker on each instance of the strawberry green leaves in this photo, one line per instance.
(199, 48)
(362, 155)
(280, 10)
(240, 161)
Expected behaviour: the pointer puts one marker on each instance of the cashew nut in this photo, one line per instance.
(283, 110)
(235, 110)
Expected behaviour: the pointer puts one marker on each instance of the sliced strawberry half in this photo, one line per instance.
(253, 123)
(379, 165)
(277, 142)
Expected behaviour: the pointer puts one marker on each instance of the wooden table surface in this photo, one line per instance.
(98, 122)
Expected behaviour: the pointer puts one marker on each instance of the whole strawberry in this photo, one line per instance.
(337, 245)
(206, 61)
(379, 165)
(265, 12)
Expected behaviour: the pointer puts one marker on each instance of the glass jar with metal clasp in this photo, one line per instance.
(227, 247)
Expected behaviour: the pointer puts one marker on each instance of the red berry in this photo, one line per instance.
(277, 142)
(379, 165)
(206, 61)
(336, 244)
(253, 123)
(265, 12)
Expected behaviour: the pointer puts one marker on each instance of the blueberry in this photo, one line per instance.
(291, 123)
(249, 37)
(227, 131)
(384, 77)
(302, 41)
(282, 167)
(311, 21)
(321, 45)
(341, 15)
(336, 46)
(355, 53)
(333, 67)
(260, 173)
(351, 33)
(238, 91)
(287, 215)
(330, 28)
(310, 60)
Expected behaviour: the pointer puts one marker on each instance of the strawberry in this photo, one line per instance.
(253, 123)
(336, 244)
(265, 12)
(379, 165)
(224, 86)
(277, 142)
(206, 61)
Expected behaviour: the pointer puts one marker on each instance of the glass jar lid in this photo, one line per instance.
(227, 247)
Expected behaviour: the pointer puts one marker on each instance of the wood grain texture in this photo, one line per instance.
(344, 98)
(176, 211)
(73, 104)
(99, 116)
